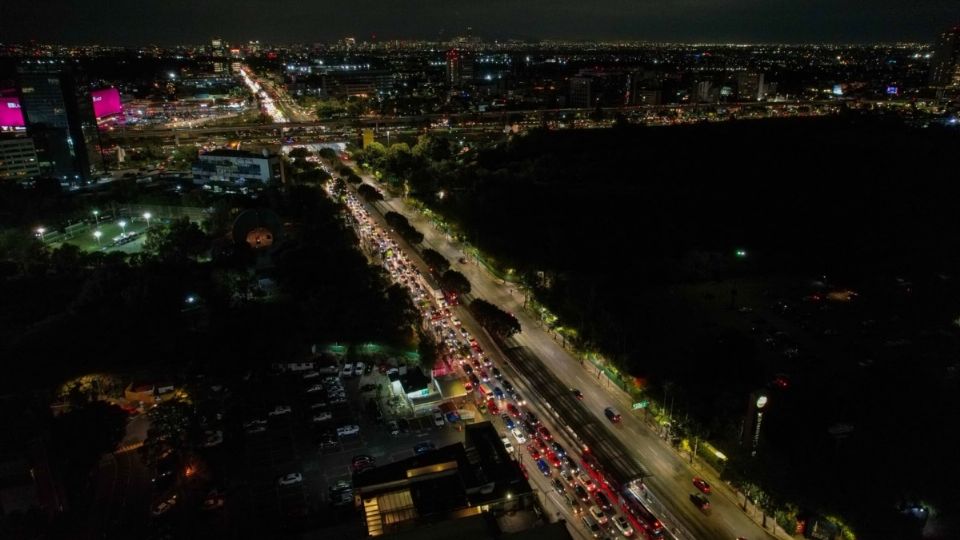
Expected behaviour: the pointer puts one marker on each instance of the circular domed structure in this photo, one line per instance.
(260, 229)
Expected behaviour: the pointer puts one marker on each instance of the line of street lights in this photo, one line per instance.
(41, 231)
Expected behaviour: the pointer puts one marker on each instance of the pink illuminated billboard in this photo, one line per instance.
(106, 102)
(11, 116)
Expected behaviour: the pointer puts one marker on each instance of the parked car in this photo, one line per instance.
(348, 430)
(347, 370)
(290, 479)
(612, 415)
(438, 419)
(164, 506)
(322, 417)
(362, 462)
(315, 388)
(423, 447)
(623, 525)
(701, 484)
(700, 501)
(280, 410)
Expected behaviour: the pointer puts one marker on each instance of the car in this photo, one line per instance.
(254, 423)
(368, 369)
(623, 525)
(474, 381)
(255, 429)
(587, 482)
(506, 385)
(568, 477)
(311, 374)
(164, 506)
(340, 486)
(558, 448)
(553, 459)
(393, 427)
(438, 419)
(544, 433)
(542, 446)
(576, 393)
(573, 503)
(534, 453)
(483, 376)
(213, 438)
(558, 486)
(602, 500)
(322, 417)
(571, 463)
(597, 514)
(507, 421)
(512, 410)
(315, 388)
(544, 468)
(518, 435)
(612, 415)
(348, 430)
(318, 405)
(280, 410)
(498, 393)
(423, 447)
(700, 501)
(362, 462)
(532, 418)
(359, 368)
(496, 373)
(290, 479)
(347, 370)
(507, 445)
(701, 484)
(581, 493)
(339, 400)
(212, 501)
(591, 525)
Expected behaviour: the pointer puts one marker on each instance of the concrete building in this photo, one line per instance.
(58, 112)
(945, 64)
(580, 92)
(459, 67)
(238, 167)
(750, 86)
(18, 158)
(474, 488)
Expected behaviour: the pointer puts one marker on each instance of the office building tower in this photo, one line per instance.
(580, 95)
(58, 111)
(18, 158)
(750, 86)
(945, 63)
(459, 67)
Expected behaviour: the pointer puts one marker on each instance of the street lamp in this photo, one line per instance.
(96, 216)
(97, 235)
(40, 231)
(123, 227)
(147, 216)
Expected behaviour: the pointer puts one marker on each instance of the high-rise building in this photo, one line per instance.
(459, 67)
(18, 158)
(945, 64)
(750, 86)
(58, 111)
(580, 95)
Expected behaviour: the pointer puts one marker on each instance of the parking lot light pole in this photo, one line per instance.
(123, 227)
(97, 235)
(147, 216)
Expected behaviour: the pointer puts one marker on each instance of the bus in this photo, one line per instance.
(633, 502)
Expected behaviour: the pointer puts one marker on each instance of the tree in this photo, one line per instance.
(427, 349)
(327, 153)
(396, 220)
(299, 153)
(455, 282)
(412, 235)
(437, 262)
(494, 319)
(354, 178)
(180, 240)
(433, 147)
(316, 175)
(369, 193)
(82, 435)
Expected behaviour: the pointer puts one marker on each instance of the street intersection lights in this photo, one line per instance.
(97, 235)
(147, 216)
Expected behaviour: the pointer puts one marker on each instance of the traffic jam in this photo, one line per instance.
(573, 480)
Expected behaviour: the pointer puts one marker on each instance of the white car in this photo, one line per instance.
(507, 445)
(623, 525)
(518, 435)
(347, 370)
(256, 429)
(322, 417)
(315, 388)
(598, 514)
(164, 506)
(290, 479)
(279, 410)
(358, 368)
(213, 438)
(254, 423)
(438, 419)
(318, 405)
(345, 431)
(311, 374)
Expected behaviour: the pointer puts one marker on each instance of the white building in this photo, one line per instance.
(237, 167)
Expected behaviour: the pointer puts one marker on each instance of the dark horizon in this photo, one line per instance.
(112, 22)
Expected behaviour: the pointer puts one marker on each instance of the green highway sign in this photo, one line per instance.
(641, 404)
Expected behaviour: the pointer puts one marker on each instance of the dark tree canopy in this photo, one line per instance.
(437, 262)
(455, 282)
(494, 319)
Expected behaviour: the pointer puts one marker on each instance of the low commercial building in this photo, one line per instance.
(18, 158)
(238, 167)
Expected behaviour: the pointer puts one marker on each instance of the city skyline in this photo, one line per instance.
(109, 22)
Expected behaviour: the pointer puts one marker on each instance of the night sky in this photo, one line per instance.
(167, 22)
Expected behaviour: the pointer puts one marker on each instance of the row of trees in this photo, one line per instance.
(400, 224)
(494, 319)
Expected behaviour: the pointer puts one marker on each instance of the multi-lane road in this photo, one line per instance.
(552, 371)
